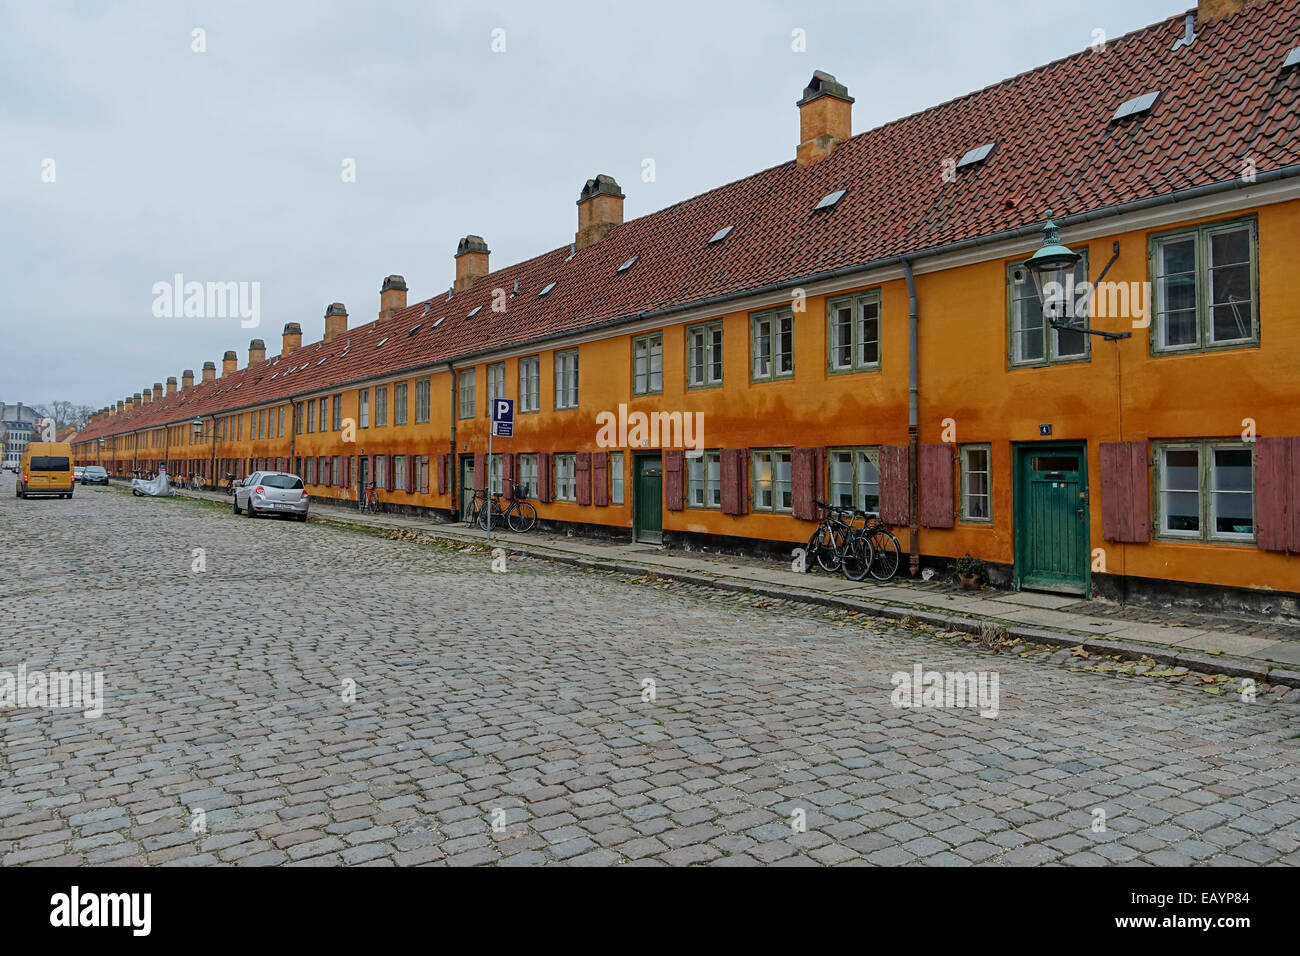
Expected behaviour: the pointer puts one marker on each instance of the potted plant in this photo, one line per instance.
(970, 571)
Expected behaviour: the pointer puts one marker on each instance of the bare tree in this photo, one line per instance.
(64, 414)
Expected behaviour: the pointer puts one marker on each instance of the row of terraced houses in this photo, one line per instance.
(858, 325)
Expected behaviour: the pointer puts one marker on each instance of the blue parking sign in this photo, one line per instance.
(503, 417)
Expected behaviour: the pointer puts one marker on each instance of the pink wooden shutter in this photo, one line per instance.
(582, 472)
(1125, 493)
(480, 471)
(408, 479)
(544, 476)
(1277, 494)
(733, 480)
(600, 479)
(673, 494)
(442, 474)
(508, 475)
(311, 471)
(347, 471)
(807, 481)
(390, 472)
(894, 474)
(936, 485)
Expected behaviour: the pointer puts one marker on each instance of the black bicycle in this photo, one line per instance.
(839, 543)
(886, 555)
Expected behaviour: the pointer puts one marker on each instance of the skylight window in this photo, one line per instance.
(415, 328)
(321, 362)
(474, 311)
(830, 199)
(1292, 59)
(438, 323)
(1139, 104)
(546, 289)
(722, 234)
(381, 342)
(976, 155)
(629, 264)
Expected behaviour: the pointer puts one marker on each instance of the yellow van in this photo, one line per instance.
(46, 469)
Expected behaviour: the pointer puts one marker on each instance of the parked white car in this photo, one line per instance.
(272, 492)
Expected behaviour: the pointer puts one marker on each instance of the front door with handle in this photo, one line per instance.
(1051, 514)
(648, 501)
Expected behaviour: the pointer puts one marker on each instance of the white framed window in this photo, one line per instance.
(399, 472)
(530, 376)
(322, 410)
(466, 380)
(279, 430)
(1205, 287)
(496, 381)
(771, 345)
(381, 406)
(704, 355)
(494, 475)
(566, 478)
(616, 477)
(1032, 339)
(527, 478)
(421, 401)
(1205, 490)
(854, 478)
(566, 379)
(771, 480)
(703, 480)
(380, 477)
(854, 332)
(338, 412)
(648, 364)
(399, 403)
(363, 408)
(976, 483)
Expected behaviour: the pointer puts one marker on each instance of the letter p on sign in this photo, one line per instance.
(503, 417)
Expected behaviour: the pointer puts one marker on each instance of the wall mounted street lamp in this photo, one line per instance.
(1052, 269)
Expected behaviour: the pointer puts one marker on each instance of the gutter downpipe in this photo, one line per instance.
(453, 471)
(913, 425)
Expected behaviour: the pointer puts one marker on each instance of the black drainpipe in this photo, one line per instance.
(913, 426)
(453, 466)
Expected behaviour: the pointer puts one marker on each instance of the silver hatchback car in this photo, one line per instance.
(272, 492)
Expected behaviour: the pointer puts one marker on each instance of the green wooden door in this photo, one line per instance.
(648, 499)
(1051, 512)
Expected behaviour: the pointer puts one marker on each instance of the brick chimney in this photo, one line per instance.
(187, 380)
(209, 371)
(1210, 10)
(229, 362)
(336, 321)
(146, 396)
(121, 406)
(291, 338)
(256, 352)
(471, 261)
(135, 401)
(171, 384)
(825, 118)
(392, 297)
(157, 391)
(600, 209)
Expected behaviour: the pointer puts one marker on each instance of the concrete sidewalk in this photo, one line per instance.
(1032, 616)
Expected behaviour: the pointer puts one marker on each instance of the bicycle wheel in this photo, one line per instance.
(886, 556)
(830, 545)
(858, 554)
(522, 517)
(498, 520)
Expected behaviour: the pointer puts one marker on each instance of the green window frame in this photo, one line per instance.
(566, 477)
(771, 345)
(338, 412)
(566, 379)
(853, 477)
(771, 488)
(400, 403)
(496, 382)
(704, 355)
(1205, 287)
(381, 406)
(1031, 341)
(616, 478)
(1205, 491)
(976, 466)
(704, 480)
(853, 328)
(421, 401)
(363, 408)
(530, 380)
(648, 364)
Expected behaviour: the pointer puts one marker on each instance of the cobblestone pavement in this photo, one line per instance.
(499, 717)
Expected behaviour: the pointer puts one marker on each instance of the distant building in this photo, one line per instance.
(17, 427)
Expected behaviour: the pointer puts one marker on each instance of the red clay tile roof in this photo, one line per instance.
(1221, 100)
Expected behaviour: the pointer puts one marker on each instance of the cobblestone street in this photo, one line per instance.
(500, 718)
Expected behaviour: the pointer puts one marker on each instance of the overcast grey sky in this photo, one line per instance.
(226, 165)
